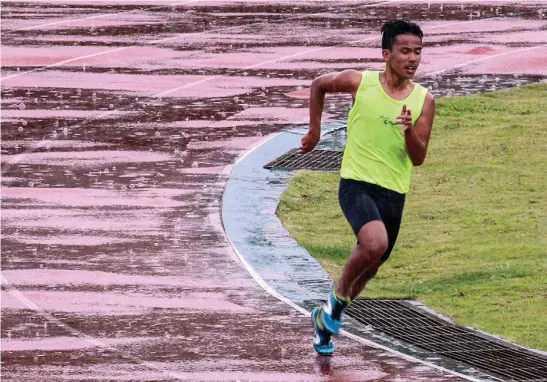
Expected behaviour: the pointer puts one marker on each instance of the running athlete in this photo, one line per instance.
(389, 126)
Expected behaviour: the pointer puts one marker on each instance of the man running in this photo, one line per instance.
(389, 126)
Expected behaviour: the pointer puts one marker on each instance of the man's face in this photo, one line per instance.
(405, 55)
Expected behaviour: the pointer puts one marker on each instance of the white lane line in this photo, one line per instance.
(487, 58)
(65, 62)
(182, 35)
(100, 16)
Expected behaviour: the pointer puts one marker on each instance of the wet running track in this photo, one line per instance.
(120, 122)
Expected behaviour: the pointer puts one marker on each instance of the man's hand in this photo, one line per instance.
(404, 119)
(308, 142)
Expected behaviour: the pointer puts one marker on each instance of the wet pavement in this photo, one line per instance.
(120, 124)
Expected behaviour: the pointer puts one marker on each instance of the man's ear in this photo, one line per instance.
(386, 53)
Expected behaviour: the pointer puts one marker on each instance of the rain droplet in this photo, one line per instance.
(20, 129)
(158, 134)
(195, 164)
(31, 184)
(24, 123)
(22, 106)
(111, 106)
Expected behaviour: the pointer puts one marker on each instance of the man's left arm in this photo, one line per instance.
(417, 136)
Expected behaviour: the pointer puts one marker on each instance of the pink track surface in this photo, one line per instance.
(119, 125)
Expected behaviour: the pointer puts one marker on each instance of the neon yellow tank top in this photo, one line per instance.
(375, 151)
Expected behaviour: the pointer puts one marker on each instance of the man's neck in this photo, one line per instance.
(392, 81)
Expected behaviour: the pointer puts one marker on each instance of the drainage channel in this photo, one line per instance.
(318, 160)
(400, 320)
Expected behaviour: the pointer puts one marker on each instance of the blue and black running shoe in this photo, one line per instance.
(321, 341)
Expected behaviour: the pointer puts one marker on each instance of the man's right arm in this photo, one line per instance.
(346, 81)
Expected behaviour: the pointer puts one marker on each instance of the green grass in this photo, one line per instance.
(473, 243)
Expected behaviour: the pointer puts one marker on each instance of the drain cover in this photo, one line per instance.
(403, 322)
(320, 160)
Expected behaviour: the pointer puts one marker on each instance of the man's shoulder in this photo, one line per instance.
(424, 92)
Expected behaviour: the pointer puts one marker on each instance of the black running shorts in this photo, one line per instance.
(364, 202)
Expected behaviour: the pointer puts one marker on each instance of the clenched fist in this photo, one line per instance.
(308, 142)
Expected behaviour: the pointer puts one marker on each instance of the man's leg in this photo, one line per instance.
(364, 260)
(363, 216)
(373, 244)
(392, 220)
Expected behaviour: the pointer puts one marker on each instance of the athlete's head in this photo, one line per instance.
(402, 47)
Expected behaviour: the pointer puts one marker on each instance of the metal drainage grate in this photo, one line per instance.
(321, 160)
(434, 336)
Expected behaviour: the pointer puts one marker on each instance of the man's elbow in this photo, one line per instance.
(318, 85)
(418, 161)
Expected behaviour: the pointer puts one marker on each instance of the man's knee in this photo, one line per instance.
(374, 248)
(373, 239)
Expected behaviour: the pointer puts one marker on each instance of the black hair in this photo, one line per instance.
(391, 29)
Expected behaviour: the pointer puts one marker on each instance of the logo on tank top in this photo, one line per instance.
(387, 121)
